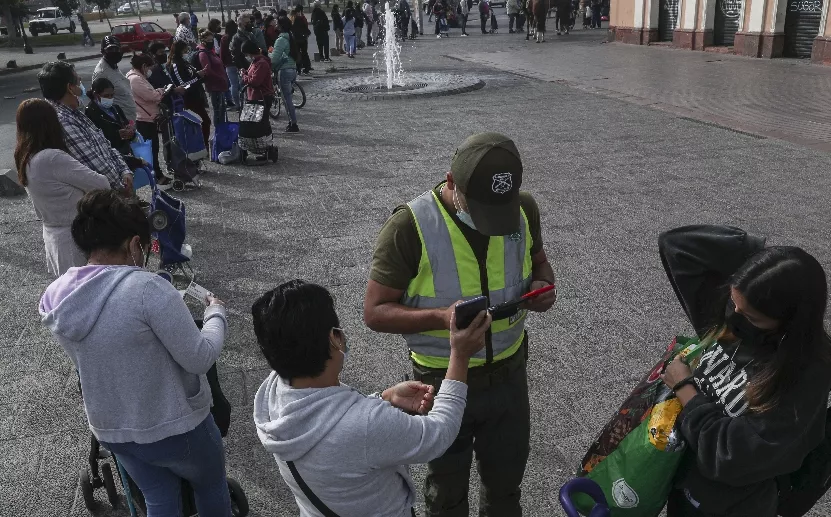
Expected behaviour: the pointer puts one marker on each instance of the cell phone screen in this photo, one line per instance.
(467, 311)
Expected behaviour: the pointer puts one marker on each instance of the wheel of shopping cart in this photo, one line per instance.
(159, 219)
(585, 487)
(86, 489)
(239, 502)
(109, 484)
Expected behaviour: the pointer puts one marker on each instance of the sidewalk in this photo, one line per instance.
(783, 98)
(43, 55)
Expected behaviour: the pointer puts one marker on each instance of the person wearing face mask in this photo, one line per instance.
(141, 359)
(339, 451)
(246, 32)
(216, 80)
(148, 99)
(62, 87)
(108, 68)
(473, 234)
(755, 406)
(109, 118)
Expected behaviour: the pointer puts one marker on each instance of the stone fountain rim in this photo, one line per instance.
(406, 94)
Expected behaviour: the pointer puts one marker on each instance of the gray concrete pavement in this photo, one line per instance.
(608, 174)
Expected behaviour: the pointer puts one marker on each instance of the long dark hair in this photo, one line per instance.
(177, 51)
(38, 128)
(285, 26)
(787, 284)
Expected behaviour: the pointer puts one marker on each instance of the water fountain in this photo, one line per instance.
(388, 80)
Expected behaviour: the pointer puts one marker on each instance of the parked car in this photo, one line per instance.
(126, 9)
(51, 20)
(138, 36)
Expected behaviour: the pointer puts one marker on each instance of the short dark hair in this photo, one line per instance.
(214, 25)
(99, 85)
(155, 46)
(292, 324)
(54, 77)
(140, 60)
(251, 48)
(106, 220)
(231, 27)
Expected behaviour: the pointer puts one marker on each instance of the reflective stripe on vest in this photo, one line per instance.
(449, 271)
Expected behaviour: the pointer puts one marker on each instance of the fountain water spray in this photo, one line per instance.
(391, 50)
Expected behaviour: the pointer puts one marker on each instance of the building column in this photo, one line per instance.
(821, 51)
(696, 29)
(763, 35)
(650, 25)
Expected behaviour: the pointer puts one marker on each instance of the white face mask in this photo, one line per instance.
(345, 350)
(461, 214)
(106, 103)
(148, 73)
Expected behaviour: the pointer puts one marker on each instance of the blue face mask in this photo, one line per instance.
(106, 103)
(462, 215)
(83, 91)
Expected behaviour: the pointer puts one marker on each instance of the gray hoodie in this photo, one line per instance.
(141, 358)
(352, 450)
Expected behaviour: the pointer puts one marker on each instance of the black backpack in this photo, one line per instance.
(799, 491)
(194, 59)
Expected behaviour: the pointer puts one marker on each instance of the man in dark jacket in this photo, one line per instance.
(245, 32)
(301, 32)
(320, 23)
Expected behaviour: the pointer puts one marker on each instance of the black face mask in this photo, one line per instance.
(249, 27)
(746, 331)
(113, 57)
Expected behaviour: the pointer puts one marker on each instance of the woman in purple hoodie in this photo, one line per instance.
(141, 359)
(216, 80)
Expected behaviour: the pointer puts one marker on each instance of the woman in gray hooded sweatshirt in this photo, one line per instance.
(141, 359)
(341, 452)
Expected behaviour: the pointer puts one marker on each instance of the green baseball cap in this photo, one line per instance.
(488, 171)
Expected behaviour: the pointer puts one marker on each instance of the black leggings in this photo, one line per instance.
(150, 131)
(322, 44)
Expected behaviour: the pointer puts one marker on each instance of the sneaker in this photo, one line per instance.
(292, 128)
(558, 33)
(464, 35)
(327, 60)
(512, 31)
(438, 35)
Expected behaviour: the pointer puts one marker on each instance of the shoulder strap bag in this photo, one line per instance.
(315, 500)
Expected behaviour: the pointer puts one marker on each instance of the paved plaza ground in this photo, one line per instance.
(609, 171)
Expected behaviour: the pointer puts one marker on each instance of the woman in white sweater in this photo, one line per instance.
(54, 180)
(336, 448)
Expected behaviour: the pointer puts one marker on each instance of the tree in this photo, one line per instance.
(67, 6)
(103, 5)
(13, 12)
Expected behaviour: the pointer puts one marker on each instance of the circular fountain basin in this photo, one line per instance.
(415, 84)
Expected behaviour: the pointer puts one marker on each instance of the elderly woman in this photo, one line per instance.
(141, 359)
(54, 180)
(342, 452)
(184, 32)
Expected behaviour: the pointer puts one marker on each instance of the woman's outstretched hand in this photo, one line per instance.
(411, 396)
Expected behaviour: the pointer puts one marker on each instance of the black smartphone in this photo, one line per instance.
(467, 311)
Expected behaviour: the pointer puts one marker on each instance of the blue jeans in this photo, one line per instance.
(158, 469)
(350, 44)
(285, 77)
(233, 81)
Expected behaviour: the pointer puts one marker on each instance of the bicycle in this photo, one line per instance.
(277, 106)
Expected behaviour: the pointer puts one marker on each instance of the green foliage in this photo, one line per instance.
(103, 5)
(67, 6)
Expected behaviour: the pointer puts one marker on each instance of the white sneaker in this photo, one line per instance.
(438, 36)
(464, 35)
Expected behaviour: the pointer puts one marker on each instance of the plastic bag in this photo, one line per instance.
(638, 451)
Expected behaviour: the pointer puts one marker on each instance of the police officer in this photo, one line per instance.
(473, 234)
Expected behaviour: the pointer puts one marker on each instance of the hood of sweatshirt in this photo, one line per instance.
(71, 305)
(290, 422)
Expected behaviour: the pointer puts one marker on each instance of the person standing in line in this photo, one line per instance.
(540, 13)
(512, 8)
(183, 74)
(271, 31)
(320, 24)
(245, 32)
(359, 23)
(596, 21)
(215, 26)
(108, 68)
(484, 12)
(349, 19)
(337, 25)
(404, 14)
(284, 62)
(231, 71)
(54, 180)
(369, 22)
(183, 31)
(562, 20)
(473, 234)
(440, 13)
(194, 22)
(465, 6)
(300, 28)
(216, 80)
(148, 99)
